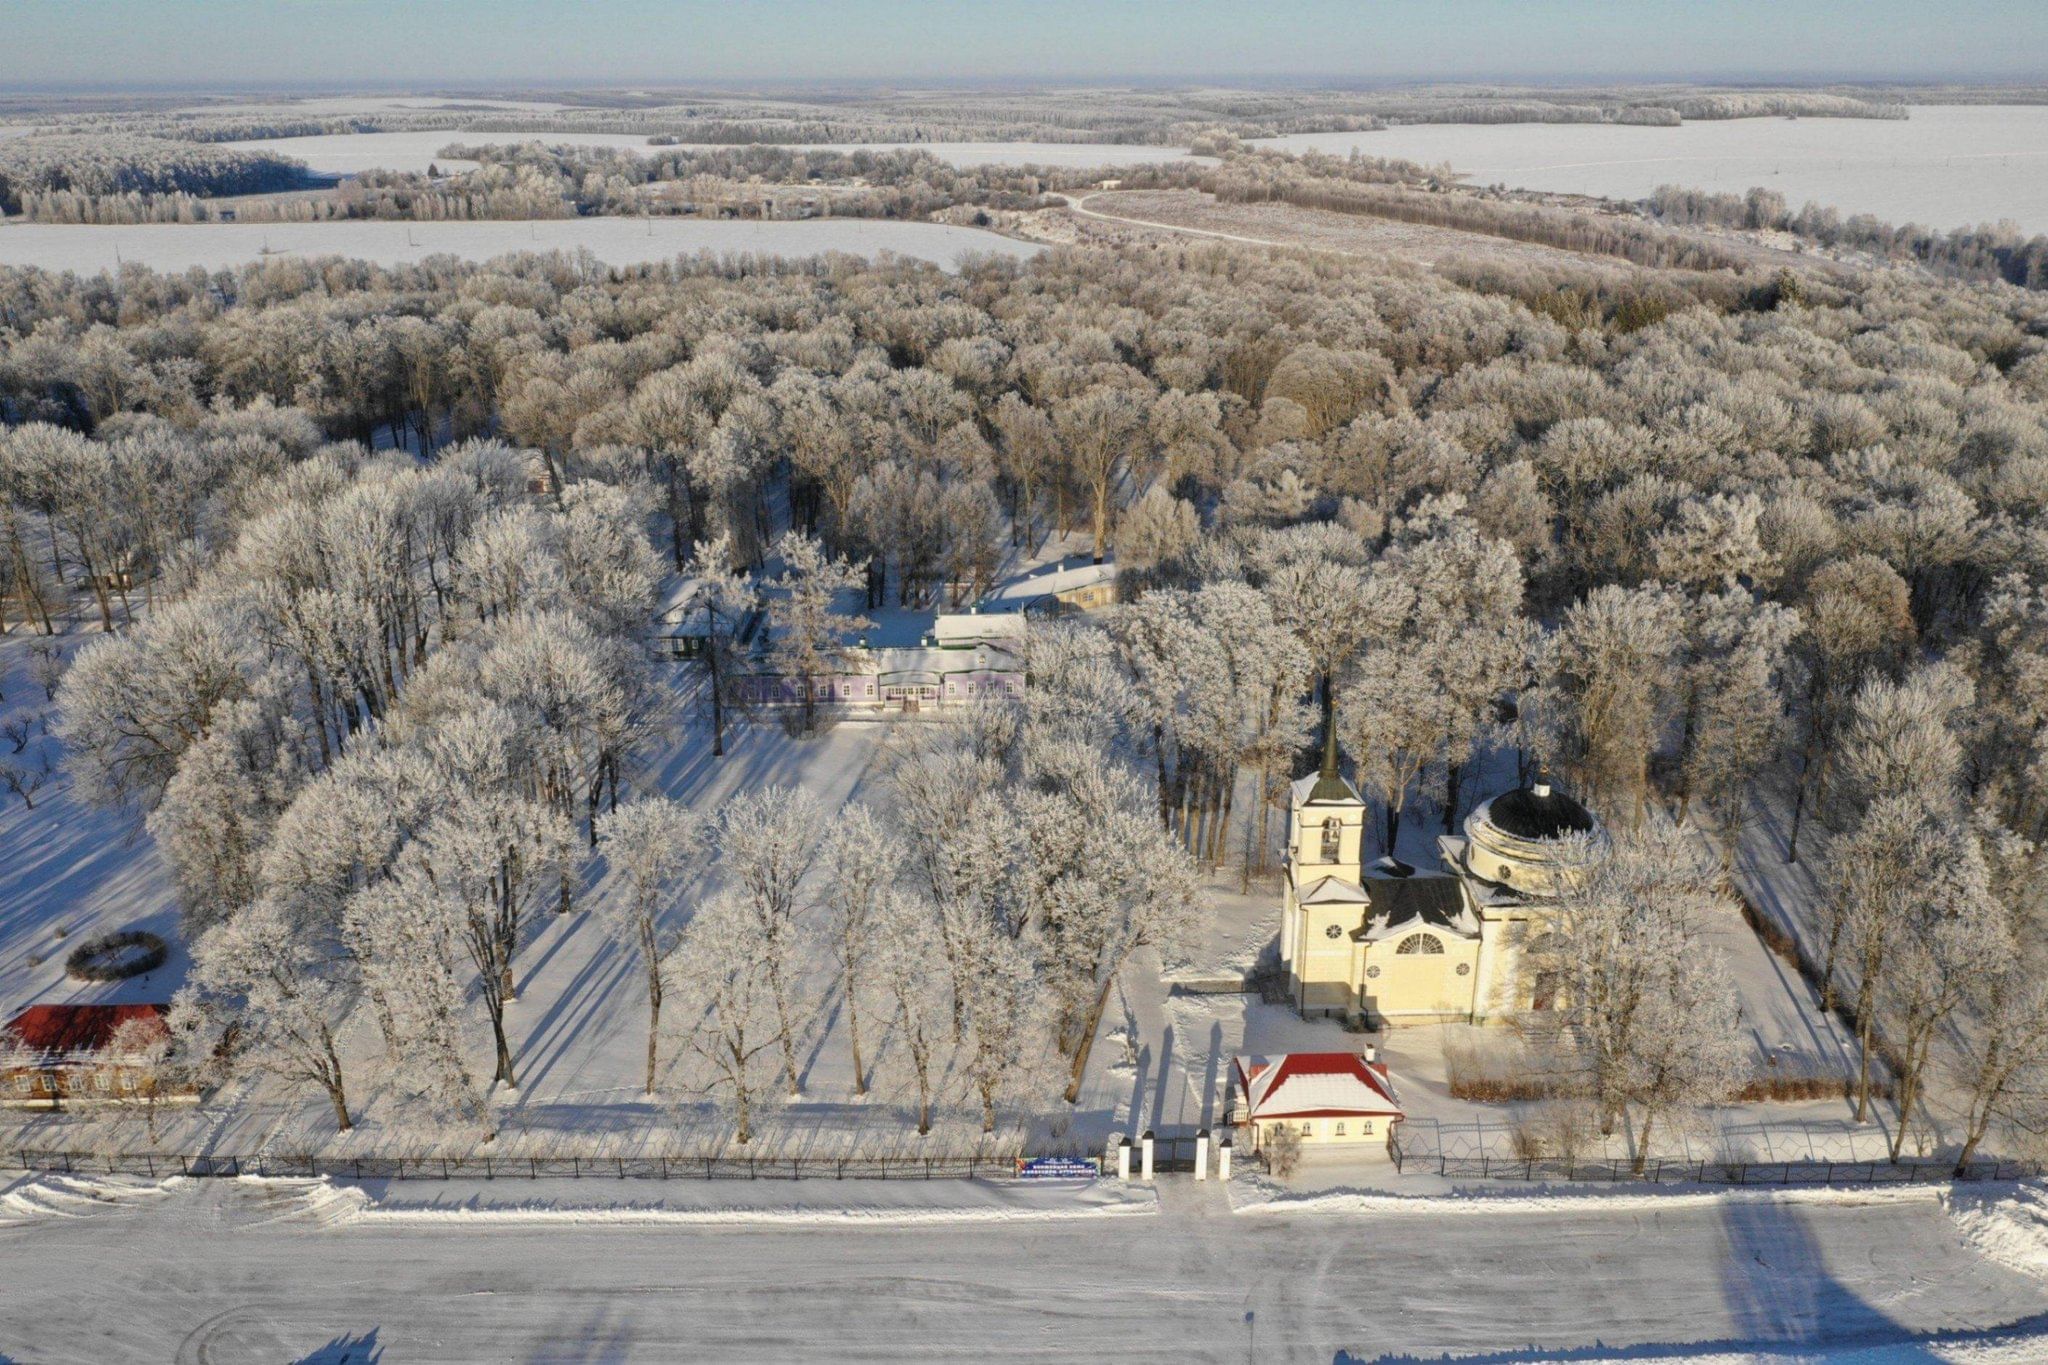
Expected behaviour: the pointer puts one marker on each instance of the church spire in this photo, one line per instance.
(1330, 784)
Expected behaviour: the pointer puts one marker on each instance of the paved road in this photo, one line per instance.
(213, 1273)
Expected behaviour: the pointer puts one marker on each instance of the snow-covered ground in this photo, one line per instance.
(1945, 167)
(68, 872)
(615, 241)
(249, 1270)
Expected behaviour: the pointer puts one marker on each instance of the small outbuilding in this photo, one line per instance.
(53, 1053)
(1339, 1101)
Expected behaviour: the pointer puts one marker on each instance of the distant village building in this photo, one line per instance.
(1330, 1100)
(1384, 944)
(55, 1054)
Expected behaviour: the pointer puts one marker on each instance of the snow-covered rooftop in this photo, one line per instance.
(1315, 1085)
(1065, 576)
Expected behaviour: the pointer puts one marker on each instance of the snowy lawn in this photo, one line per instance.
(68, 872)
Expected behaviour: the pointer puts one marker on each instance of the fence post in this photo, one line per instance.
(622, 1168)
(1145, 1141)
(1223, 1161)
(1123, 1159)
(1202, 1154)
(794, 1172)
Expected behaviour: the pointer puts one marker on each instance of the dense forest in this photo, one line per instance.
(120, 164)
(1775, 539)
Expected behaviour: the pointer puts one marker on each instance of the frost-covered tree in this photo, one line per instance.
(908, 958)
(1608, 678)
(653, 847)
(805, 632)
(862, 864)
(1734, 702)
(1910, 884)
(1647, 1020)
(286, 990)
(1003, 1033)
(720, 600)
(718, 969)
(1856, 618)
(768, 841)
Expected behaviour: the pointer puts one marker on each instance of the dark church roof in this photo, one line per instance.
(1540, 812)
(1431, 898)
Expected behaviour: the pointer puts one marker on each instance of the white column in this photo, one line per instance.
(1145, 1153)
(1123, 1159)
(1202, 1155)
(1223, 1160)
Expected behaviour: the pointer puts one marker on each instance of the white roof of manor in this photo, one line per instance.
(1036, 583)
(972, 627)
(1315, 1085)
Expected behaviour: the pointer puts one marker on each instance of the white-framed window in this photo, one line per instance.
(1338, 1131)
(1307, 1129)
(1366, 1128)
(23, 1083)
(102, 1082)
(1420, 943)
(128, 1082)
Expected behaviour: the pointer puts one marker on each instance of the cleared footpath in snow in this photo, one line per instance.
(261, 1270)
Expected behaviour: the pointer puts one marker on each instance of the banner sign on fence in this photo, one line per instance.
(1058, 1168)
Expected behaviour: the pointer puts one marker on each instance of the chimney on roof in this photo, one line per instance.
(1541, 787)
(1372, 1054)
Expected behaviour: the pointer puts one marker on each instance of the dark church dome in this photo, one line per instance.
(1539, 812)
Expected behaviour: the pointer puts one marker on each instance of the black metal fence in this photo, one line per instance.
(518, 1168)
(1657, 1171)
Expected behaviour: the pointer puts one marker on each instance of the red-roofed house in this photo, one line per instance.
(1332, 1099)
(51, 1053)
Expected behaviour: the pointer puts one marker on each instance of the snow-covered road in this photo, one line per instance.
(232, 1271)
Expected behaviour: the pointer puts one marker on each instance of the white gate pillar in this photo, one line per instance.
(1123, 1159)
(1223, 1160)
(1202, 1155)
(1145, 1152)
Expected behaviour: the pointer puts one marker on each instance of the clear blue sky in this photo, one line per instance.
(449, 42)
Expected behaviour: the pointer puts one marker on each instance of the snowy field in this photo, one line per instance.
(615, 241)
(1947, 166)
(268, 1271)
(348, 153)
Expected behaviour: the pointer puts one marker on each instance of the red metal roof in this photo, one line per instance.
(75, 1029)
(1315, 1085)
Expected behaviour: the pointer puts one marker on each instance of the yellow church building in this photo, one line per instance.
(1383, 944)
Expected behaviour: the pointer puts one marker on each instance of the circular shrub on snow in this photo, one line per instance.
(115, 957)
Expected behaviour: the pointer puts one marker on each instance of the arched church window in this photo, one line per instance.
(1419, 943)
(1333, 839)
